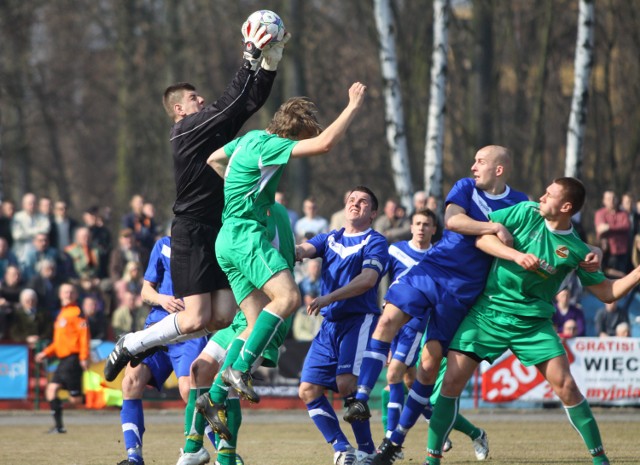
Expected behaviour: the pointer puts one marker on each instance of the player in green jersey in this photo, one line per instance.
(221, 351)
(252, 166)
(514, 312)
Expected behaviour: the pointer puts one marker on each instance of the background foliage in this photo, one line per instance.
(81, 84)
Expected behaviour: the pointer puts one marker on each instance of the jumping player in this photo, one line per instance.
(252, 166)
(198, 131)
(221, 351)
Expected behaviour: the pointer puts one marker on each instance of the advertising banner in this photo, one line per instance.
(607, 371)
(14, 371)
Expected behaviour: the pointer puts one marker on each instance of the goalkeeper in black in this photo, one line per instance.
(198, 131)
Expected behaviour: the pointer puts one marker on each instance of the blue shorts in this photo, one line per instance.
(178, 358)
(338, 349)
(405, 347)
(417, 295)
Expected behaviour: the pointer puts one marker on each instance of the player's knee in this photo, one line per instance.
(132, 384)
(285, 304)
(452, 383)
(386, 327)
(220, 321)
(292, 301)
(203, 372)
(394, 376)
(567, 390)
(307, 392)
(184, 387)
(428, 373)
(192, 322)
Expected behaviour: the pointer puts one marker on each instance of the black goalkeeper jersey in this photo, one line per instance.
(199, 190)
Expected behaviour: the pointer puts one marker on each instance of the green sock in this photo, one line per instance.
(227, 449)
(219, 390)
(385, 408)
(444, 415)
(194, 423)
(264, 330)
(583, 421)
(465, 426)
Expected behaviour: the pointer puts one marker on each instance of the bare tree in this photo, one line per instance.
(395, 128)
(583, 66)
(437, 100)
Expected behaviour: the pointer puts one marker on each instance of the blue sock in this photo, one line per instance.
(372, 363)
(417, 400)
(396, 401)
(132, 419)
(362, 433)
(325, 419)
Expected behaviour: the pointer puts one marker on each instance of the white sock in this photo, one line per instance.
(157, 334)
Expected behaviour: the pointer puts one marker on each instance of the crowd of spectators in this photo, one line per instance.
(41, 247)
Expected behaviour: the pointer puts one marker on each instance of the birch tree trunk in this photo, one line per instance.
(583, 65)
(396, 135)
(437, 103)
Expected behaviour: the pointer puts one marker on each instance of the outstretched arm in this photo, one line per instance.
(336, 130)
(612, 290)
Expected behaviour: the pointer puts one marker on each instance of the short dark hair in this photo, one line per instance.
(366, 190)
(173, 93)
(574, 192)
(425, 212)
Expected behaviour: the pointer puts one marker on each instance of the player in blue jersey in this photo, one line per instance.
(354, 259)
(405, 347)
(441, 287)
(157, 291)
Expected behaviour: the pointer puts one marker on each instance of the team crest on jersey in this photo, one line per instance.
(562, 251)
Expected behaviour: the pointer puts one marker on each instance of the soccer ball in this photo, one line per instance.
(272, 21)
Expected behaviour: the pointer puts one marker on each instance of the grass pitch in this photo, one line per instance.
(290, 438)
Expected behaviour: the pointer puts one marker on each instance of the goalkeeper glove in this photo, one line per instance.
(255, 38)
(272, 54)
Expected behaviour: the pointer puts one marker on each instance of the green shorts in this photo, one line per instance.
(247, 257)
(271, 353)
(489, 333)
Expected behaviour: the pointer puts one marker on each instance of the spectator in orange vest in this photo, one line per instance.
(71, 346)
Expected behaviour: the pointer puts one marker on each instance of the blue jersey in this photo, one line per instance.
(402, 257)
(344, 256)
(159, 272)
(454, 262)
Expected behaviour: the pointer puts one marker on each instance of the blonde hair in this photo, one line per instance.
(295, 119)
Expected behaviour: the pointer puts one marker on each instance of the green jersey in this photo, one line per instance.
(512, 289)
(280, 233)
(256, 162)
